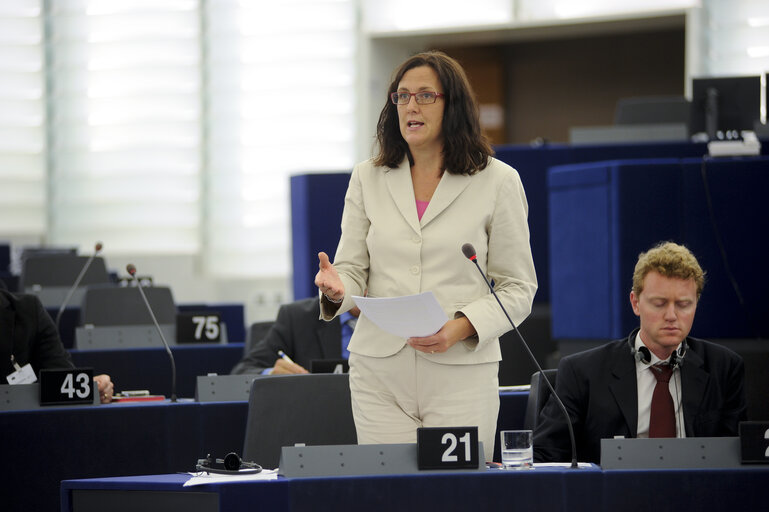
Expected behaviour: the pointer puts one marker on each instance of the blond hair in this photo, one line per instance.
(669, 260)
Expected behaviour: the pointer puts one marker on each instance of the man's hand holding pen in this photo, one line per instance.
(285, 366)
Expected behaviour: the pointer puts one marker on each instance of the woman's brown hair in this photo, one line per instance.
(466, 150)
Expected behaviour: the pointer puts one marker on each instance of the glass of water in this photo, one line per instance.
(516, 448)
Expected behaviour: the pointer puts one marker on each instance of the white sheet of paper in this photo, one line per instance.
(407, 316)
(213, 478)
(562, 465)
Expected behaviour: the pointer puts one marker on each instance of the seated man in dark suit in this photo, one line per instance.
(302, 336)
(658, 382)
(28, 336)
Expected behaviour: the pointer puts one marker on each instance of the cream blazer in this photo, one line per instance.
(387, 249)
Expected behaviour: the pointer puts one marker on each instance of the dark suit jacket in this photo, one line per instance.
(598, 388)
(300, 333)
(27, 332)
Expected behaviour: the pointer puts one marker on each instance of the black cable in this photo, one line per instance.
(722, 248)
(678, 405)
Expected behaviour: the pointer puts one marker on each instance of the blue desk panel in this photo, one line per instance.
(588, 489)
(532, 164)
(150, 368)
(317, 201)
(603, 214)
(47, 446)
(715, 490)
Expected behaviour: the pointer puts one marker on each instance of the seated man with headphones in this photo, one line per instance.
(658, 382)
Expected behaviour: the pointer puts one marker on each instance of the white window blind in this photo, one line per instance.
(406, 15)
(736, 41)
(125, 96)
(281, 82)
(530, 10)
(22, 119)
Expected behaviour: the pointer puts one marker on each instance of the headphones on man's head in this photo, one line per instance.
(644, 355)
(233, 465)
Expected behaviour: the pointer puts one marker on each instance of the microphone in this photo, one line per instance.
(79, 278)
(132, 271)
(469, 251)
(677, 357)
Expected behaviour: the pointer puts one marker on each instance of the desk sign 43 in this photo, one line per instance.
(66, 386)
(447, 448)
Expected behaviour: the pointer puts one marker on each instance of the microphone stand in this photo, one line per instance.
(79, 278)
(132, 271)
(469, 252)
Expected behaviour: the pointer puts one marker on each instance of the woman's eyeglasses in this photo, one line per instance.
(422, 97)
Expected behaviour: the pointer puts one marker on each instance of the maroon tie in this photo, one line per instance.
(662, 422)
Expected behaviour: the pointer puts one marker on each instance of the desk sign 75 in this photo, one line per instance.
(194, 327)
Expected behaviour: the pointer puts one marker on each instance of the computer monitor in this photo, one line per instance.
(725, 104)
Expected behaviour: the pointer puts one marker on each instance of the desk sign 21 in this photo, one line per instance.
(448, 448)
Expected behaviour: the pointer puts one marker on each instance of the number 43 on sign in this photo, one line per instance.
(66, 386)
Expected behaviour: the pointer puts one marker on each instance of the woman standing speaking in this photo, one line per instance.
(433, 186)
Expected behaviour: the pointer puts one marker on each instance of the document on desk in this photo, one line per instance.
(563, 465)
(203, 478)
(407, 316)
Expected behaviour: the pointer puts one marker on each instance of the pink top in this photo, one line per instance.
(421, 207)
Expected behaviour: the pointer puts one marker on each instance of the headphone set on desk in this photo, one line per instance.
(644, 355)
(233, 465)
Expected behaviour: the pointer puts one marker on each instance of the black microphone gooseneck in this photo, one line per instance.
(469, 251)
(79, 278)
(132, 271)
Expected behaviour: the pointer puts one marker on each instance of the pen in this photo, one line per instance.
(284, 356)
